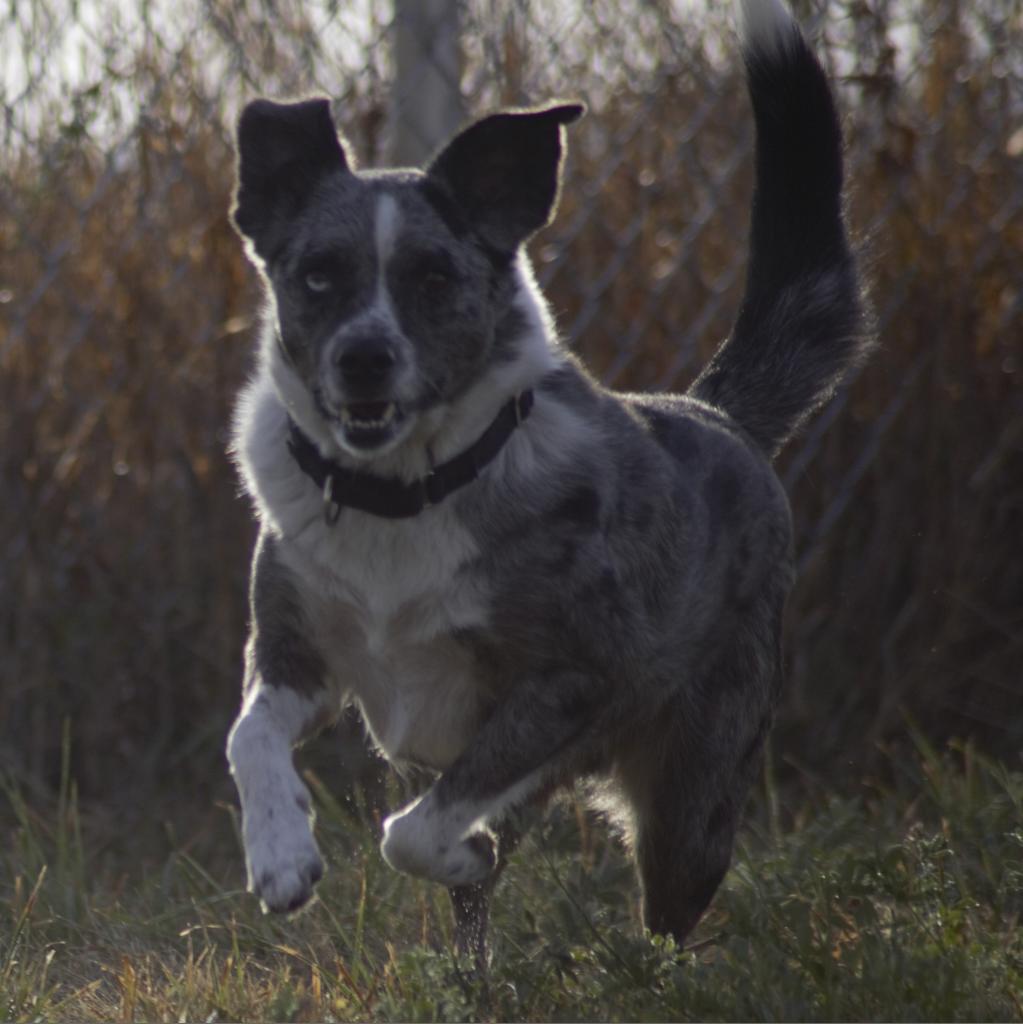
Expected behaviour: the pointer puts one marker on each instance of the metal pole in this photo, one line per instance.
(427, 103)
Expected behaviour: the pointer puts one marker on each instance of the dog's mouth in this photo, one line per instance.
(367, 426)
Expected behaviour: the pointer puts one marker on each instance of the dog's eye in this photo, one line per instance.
(318, 281)
(434, 283)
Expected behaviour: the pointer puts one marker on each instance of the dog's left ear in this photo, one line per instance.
(504, 171)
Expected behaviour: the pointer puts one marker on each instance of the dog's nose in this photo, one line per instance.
(365, 361)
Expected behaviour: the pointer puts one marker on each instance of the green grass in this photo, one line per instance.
(900, 902)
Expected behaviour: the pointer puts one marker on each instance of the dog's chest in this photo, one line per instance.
(386, 600)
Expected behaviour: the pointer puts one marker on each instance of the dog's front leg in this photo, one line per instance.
(519, 754)
(286, 700)
(282, 860)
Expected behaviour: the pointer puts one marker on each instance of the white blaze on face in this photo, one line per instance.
(386, 228)
(378, 426)
(379, 313)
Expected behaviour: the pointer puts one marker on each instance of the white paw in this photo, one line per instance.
(425, 842)
(283, 861)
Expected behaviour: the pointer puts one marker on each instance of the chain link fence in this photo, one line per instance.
(127, 314)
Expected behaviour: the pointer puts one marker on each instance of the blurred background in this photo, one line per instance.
(127, 319)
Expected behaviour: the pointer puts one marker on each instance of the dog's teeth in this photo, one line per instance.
(348, 420)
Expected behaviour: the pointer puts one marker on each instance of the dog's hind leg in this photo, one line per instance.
(682, 846)
(471, 903)
(519, 755)
(687, 782)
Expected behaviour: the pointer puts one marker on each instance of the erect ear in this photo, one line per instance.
(504, 171)
(284, 149)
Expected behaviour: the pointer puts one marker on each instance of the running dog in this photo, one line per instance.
(521, 578)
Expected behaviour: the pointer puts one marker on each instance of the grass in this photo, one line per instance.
(901, 902)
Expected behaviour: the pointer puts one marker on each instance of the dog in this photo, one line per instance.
(521, 578)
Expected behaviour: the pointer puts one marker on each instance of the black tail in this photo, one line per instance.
(802, 324)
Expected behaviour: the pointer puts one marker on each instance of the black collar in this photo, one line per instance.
(395, 499)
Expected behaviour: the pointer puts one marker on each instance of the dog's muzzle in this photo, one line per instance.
(365, 412)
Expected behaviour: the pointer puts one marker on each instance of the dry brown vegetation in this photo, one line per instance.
(126, 315)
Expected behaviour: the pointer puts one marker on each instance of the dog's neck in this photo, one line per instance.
(391, 498)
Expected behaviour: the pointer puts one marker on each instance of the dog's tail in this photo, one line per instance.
(802, 324)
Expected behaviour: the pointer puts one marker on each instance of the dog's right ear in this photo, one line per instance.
(284, 150)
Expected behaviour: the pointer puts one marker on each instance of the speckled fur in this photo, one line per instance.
(604, 602)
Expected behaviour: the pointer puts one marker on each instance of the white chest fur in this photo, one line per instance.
(383, 597)
(384, 600)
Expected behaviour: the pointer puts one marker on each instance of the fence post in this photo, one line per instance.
(427, 103)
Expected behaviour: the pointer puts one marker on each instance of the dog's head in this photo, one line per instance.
(389, 288)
